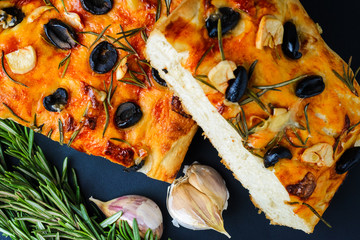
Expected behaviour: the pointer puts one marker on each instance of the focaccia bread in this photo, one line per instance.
(279, 105)
(76, 72)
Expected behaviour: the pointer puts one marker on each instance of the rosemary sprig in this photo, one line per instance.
(220, 40)
(100, 35)
(158, 10)
(6, 73)
(240, 125)
(127, 41)
(258, 94)
(106, 108)
(144, 73)
(144, 36)
(313, 210)
(39, 202)
(129, 33)
(291, 143)
(133, 80)
(348, 77)
(74, 135)
(14, 114)
(252, 68)
(307, 118)
(168, 5)
(282, 84)
(203, 57)
(49, 3)
(63, 3)
(65, 61)
(256, 99)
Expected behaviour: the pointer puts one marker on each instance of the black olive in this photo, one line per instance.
(348, 160)
(158, 79)
(56, 101)
(97, 7)
(17, 15)
(127, 115)
(103, 57)
(237, 86)
(60, 34)
(310, 86)
(229, 19)
(273, 155)
(291, 45)
(135, 167)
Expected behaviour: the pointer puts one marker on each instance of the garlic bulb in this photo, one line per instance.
(146, 212)
(196, 201)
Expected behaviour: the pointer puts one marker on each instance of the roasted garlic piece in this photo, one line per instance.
(320, 154)
(196, 201)
(38, 12)
(22, 60)
(74, 20)
(121, 69)
(221, 74)
(270, 33)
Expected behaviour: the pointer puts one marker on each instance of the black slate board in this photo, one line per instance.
(105, 180)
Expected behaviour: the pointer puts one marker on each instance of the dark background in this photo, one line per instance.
(104, 180)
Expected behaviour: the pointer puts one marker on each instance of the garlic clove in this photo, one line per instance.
(121, 69)
(74, 20)
(196, 201)
(22, 60)
(146, 212)
(214, 187)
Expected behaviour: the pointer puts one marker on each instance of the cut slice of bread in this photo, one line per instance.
(179, 38)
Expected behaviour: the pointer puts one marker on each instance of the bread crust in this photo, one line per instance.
(161, 137)
(330, 114)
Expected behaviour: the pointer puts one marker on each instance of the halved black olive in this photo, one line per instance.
(310, 86)
(273, 155)
(57, 101)
(97, 7)
(157, 78)
(103, 57)
(348, 160)
(60, 34)
(135, 167)
(291, 45)
(229, 20)
(237, 86)
(16, 13)
(127, 115)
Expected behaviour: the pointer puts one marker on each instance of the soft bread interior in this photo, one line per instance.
(266, 190)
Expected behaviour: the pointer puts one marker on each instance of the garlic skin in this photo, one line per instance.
(196, 201)
(146, 212)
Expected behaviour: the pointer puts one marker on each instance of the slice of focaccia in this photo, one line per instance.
(76, 72)
(279, 105)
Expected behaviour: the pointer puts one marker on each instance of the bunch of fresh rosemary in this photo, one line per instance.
(36, 202)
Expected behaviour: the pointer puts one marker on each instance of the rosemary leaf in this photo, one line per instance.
(111, 220)
(135, 230)
(307, 118)
(100, 35)
(205, 82)
(121, 140)
(126, 40)
(168, 5)
(202, 57)
(313, 210)
(73, 136)
(282, 84)
(49, 133)
(348, 77)
(158, 10)
(291, 143)
(6, 73)
(252, 68)
(220, 40)
(133, 80)
(63, 3)
(61, 133)
(258, 94)
(144, 73)
(66, 62)
(49, 3)
(109, 91)
(144, 36)
(14, 114)
(107, 117)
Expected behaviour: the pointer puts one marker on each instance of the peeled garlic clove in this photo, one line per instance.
(22, 60)
(146, 212)
(214, 187)
(74, 20)
(194, 204)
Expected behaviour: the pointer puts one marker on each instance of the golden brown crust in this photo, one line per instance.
(330, 114)
(155, 137)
